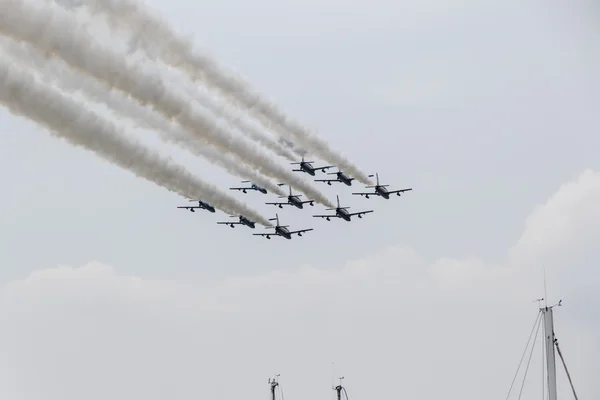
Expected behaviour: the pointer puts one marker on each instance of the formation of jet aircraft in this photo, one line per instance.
(295, 201)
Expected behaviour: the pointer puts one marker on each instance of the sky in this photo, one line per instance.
(488, 111)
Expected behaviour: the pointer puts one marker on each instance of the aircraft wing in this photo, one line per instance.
(323, 168)
(301, 231)
(267, 235)
(188, 207)
(399, 191)
(246, 188)
(327, 180)
(360, 213)
(278, 204)
(365, 194)
(229, 223)
(326, 216)
(307, 201)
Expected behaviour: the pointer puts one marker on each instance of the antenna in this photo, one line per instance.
(338, 200)
(332, 374)
(545, 290)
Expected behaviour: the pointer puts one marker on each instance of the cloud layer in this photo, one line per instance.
(393, 322)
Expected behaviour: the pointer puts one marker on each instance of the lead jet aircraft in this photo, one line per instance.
(380, 190)
(243, 221)
(341, 177)
(341, 212)
(306, 166)
(201, 205)
(253, 186)
(282, 230)
(293, 200)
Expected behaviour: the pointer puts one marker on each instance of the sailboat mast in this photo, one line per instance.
(549, 340)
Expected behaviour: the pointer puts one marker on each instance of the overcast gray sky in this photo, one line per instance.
(489, 111)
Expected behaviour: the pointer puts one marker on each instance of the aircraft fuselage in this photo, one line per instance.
(208, 207)
(344, 179)
(258, 188)
(382, 192)
(248, 223)
(307, 168)
(295, 201)
(343, 214)
(283, 232)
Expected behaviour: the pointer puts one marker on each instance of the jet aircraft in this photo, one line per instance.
(341, 177)
(253, 186)
(341, 212)
(243, 221)
(306, 166)
(293, 200)
(201, 205)
(380, 190)
(282, 230)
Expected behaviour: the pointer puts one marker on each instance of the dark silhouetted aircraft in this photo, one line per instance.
(243, 221)
(293, 200)
(380, 190)
(306, 166)
(201, 205)
(341, 177)
(282, 230)
(341, 212)
(253, 186)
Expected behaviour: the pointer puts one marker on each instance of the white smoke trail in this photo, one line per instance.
(54, 31)
(23, 94)
(57, 72)
(237, 121)
(158, 39)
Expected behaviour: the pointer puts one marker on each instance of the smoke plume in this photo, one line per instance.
(55, 71)
(23, 94)
(53, 30)
(154, 35)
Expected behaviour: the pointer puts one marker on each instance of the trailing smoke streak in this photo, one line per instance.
(158, 39)
(53, 30)
(57, 72)
(23, 94)
(238, 122)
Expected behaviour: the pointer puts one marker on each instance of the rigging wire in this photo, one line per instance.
(529, 361)
(524, 352)
(566, 370)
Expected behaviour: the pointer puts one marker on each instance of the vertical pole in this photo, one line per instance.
(550, 354)
(274, 384)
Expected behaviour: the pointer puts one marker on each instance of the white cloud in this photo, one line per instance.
(422, 328)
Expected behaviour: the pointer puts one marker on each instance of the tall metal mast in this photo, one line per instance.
(549, 340)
